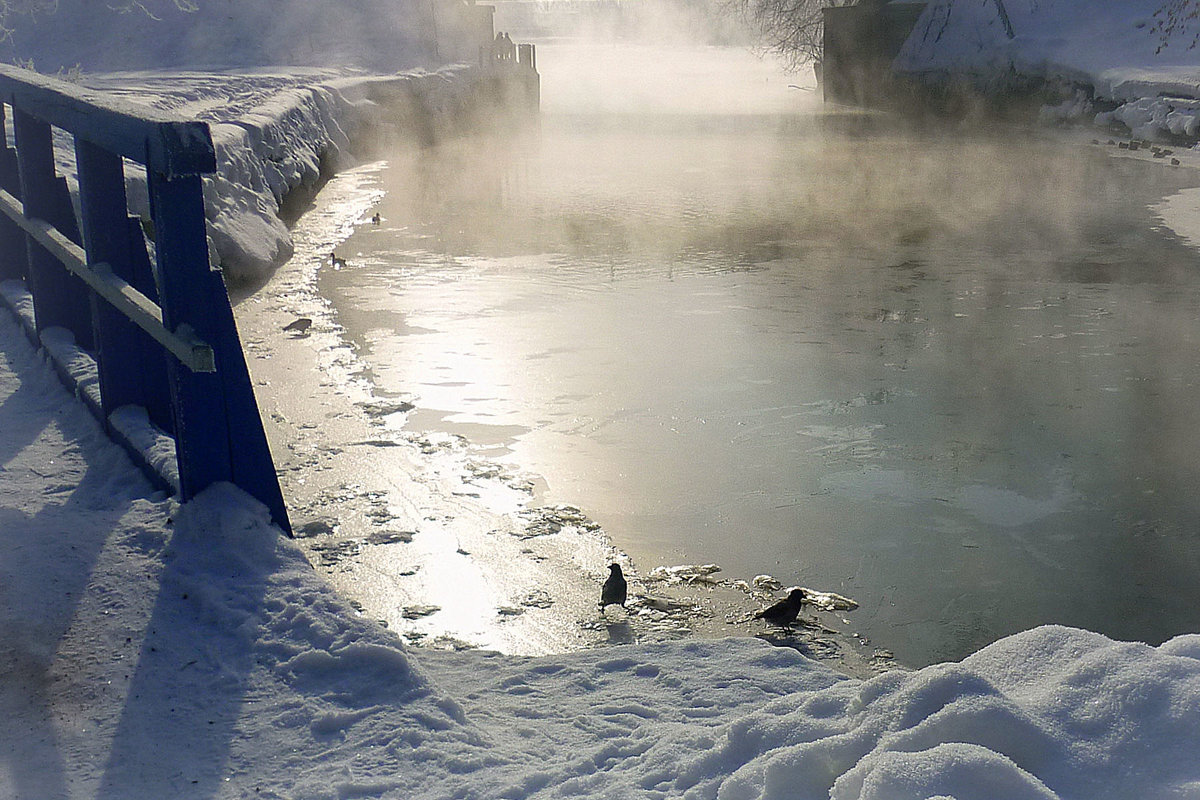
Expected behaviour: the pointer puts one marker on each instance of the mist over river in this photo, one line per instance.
(952, 374)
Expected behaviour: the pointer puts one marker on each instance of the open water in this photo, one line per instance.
(952, 374)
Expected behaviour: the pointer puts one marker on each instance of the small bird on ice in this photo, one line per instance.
(299, 325)
(615, 588)
(784, 612)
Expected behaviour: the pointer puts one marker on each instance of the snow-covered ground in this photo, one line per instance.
(151, 650)
(1112, 47)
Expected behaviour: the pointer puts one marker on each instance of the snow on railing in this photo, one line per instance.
(159, 331)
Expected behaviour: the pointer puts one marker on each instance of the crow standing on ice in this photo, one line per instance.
(784, 612)
(614, 589)
(299, 325)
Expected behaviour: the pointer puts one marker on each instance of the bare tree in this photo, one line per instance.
(12, 12)
(792, 29)
(1177, 18)
(149, 7)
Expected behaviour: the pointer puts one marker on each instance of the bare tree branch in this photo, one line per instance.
(793, 29)
(1177, 18)
(13, 12)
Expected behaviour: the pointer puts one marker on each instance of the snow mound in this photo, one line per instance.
(1051, 713)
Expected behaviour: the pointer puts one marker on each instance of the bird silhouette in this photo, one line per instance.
(615, 588)
(784, 612)
(299, 325)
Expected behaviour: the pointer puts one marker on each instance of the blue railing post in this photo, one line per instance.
(219, 433)
(58, 299)
(132, 369)
(12, 240)
(161, 335)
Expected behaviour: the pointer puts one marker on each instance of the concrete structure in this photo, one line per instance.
(860, 42)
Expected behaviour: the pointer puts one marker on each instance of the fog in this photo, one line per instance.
(942, 369)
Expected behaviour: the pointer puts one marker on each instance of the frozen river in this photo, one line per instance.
(953, 376)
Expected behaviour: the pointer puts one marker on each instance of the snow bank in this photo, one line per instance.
(289, 144)
(1053, 712)
(281, 132)
(1110, 47)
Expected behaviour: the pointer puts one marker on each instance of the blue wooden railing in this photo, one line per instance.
(160, 331)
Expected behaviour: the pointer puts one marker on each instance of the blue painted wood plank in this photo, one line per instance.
(58, 298)
(121, 347)
(218, 428)
(148, 136)
(12, 240)
(155, 391)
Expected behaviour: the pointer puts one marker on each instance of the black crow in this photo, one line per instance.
(615, 588)
(299, 325)
(784, 612)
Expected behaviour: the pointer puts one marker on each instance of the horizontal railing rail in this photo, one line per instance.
(138, 308)
(155, 321)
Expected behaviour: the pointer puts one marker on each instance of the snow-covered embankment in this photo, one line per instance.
(279, 135)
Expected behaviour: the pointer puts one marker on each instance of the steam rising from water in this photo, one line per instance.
(945, 373)
(812, 343)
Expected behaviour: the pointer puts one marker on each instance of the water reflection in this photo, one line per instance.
(951, 377)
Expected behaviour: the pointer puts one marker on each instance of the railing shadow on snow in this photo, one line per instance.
(145, 336)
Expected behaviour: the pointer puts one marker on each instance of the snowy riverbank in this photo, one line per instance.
(283, 131)
(152, 650)
(192, 652)
(158, 651)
